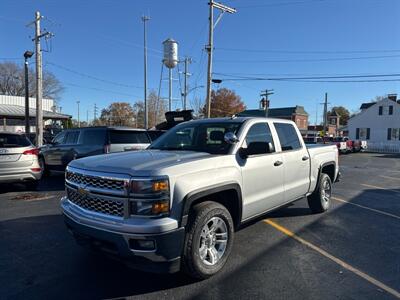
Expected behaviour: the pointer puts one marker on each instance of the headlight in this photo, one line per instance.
(149, 197)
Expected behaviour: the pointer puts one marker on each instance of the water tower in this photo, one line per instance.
(170, 60)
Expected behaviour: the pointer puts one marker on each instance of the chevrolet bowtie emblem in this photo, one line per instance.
(83, 191)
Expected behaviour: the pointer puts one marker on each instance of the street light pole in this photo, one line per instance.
(27, 54)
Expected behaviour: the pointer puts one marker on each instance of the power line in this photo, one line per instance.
(308, 60)
(92, 77)
(280, 4)
(101, 90)
(236, 77)
(309, 52)
(329, 79)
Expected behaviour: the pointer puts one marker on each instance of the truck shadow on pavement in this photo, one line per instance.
(39, 259)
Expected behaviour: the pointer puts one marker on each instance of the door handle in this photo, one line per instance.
(277, 163)
(304, 158)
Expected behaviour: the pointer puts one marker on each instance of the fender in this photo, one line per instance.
(191, 197)
(328, 163)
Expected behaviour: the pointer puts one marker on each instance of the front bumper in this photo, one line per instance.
(122, 244)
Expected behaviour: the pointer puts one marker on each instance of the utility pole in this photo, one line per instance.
(187, 61)
(27, 54)
(94, 113)
(79, 122)
(209, 47)
(325, 113)
(39, 77)
(87, 117)
(264, 101)
(146, 113)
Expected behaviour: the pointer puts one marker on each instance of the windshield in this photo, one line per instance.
(197, 136)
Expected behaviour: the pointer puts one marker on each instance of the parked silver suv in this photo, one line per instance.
(19, 161)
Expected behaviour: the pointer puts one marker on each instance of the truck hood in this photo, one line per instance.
(139, 163)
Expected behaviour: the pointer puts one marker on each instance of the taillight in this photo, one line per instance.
(106, 148)
(31, 152)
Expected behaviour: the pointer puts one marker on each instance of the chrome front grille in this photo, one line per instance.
(96, 203)
(96, 181)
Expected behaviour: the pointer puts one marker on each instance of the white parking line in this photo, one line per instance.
(340, 262)
(368, 208)
(380, 188)
(388, 177)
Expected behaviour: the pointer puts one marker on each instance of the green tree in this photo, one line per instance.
(118, 114)
(224, 103)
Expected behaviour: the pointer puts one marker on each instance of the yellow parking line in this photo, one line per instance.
(368, 208)
(388, 177)
(380, 188)
(335, 259)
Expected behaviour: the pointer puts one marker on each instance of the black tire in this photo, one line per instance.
(319, 201)
(42, 163)
(200, 215)
(32, 185)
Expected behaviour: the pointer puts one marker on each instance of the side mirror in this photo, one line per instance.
(256, 148)
(230, 138)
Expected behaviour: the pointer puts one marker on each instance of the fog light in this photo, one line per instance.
(144, 245)
(160, 207)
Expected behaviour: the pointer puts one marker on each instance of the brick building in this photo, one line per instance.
(296, 113)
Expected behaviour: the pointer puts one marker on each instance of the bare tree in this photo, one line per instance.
(12, 82)
(156, 110)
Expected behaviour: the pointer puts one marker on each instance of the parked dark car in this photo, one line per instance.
(82, 142)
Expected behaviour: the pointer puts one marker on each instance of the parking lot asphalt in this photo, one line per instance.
(351, 252)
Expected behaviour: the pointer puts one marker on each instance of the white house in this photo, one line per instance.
(379, 124)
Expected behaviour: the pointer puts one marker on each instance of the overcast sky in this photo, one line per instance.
(97, 50)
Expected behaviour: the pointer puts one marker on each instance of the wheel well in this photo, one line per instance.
(329, 170)
(228, 198)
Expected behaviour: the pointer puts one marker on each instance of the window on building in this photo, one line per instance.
(363, 133)
(393, 134)
(386, 110)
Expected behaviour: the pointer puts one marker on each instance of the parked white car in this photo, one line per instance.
(19, 161)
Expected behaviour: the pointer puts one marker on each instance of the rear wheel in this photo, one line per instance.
(320, 200)
(42, 164)
(208, 240)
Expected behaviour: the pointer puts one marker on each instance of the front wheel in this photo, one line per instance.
(320, 200)
(208, 240)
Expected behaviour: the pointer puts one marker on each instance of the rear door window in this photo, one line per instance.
(72, 138)
(94, 136)
(59, 138)
(128, 137)
(288, 136)
(13, 141)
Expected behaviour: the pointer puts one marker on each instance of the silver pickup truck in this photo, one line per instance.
(176, 206)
